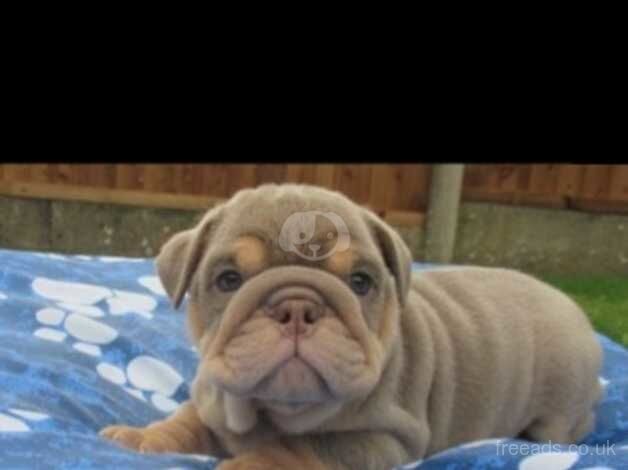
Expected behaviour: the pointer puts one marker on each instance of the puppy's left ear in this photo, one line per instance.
(396, 253)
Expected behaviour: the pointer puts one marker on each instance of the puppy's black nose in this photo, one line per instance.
(296, 317)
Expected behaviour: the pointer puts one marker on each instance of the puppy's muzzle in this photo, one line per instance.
(288, 314)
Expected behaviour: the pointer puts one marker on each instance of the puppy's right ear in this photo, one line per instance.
(180, 256)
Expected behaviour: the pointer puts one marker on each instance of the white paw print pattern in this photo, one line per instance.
(597, 468)
(553, 460)
(483, 442)
(145, 376)
(118, 259)
(74, 314)
(105, 259)
(16, 419)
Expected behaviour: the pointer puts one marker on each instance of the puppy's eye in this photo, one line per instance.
(229, 281)
(360, 283)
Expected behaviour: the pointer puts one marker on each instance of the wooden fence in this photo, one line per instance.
(386, 188)
(599, 188)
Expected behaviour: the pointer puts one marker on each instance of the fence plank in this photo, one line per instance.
(570, 179)
(157, 178)
(474, 176)
(381, 192)
(506, 177)
(60, 174)
(618, 188)
(79, 174)
(354, 181)
(14, 172)
(101, 176)
(127, 176)
(168, 176)
(192, 175)
(178, 179)
(40, 173)
(410, 190)
(325, 175)
(595, 182)
(544, 179)
(524, 174)
(240, 177)
(301, 173)
(214, 180)
(294, 173)
(270, 173)
(481, 182)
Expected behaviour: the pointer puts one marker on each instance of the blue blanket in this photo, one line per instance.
(88, 341)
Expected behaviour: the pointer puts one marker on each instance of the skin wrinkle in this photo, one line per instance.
(245, 298)
(338, 350)
(237, 382)
(259, 334)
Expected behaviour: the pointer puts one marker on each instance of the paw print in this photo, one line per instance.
(482, 442)
(118, 259)
(552, 459)
(104, 259)
(89, 334)
(15, 419)
(145, 377)
(76, 307)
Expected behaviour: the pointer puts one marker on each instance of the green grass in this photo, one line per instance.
(603, 298)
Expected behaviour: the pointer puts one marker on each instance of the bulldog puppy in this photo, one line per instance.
(319, 349)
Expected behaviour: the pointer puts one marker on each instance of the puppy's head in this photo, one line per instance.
(294, 298)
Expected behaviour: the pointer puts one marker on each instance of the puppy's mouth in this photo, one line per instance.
(290, 339)
(291, 388)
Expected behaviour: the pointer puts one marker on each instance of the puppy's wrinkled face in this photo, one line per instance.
(285, 333)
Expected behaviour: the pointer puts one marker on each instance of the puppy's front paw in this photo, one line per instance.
(142, 439)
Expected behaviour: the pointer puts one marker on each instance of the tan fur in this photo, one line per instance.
(250, 254)
(416, 366)
(340, 262)
(276, 457)
(196, 322)
(181, 432)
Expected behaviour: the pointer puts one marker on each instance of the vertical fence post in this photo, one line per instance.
(442, 214)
